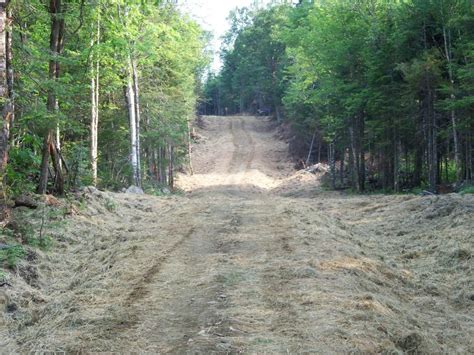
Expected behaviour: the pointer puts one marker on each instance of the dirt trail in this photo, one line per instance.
(254, 259)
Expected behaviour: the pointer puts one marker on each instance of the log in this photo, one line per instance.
(26, 201)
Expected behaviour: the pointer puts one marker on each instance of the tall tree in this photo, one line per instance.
(51, 138)
(6, 89)
(387, 85)
(95, 89)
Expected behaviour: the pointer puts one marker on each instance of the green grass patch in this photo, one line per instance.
(467, 190)
(4, 277)
(110, 205)
(262, 341)
(28, 228)
(233, 278)
(11, 254)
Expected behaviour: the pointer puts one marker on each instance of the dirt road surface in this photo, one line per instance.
(252, 258)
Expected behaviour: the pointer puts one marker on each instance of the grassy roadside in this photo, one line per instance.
(28, 230)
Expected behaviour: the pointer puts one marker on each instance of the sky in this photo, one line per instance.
(212, 16)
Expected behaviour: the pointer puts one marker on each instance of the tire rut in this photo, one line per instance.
(180, 303)
(244, 148)
(140, 289)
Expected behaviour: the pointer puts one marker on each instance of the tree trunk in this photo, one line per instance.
(446, 162)
(6, 90)
(432, 141)
(241, 99)
(130, 99)
(468, 172)
(320, 146)
(396, 161)
(457, 153)
(56, 45)
(361, 145)
(94, 127)
(332, 162)
(95, 72)
(57, 165)
(418, 163)
(137, 117)
(190, 150)
(311, 148)
(171, 167)
(278, 113)
(159, 165)
(163, 166)
(44, 170)
(341, 166)
(354, 161)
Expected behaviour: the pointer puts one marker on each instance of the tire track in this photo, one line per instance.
(139, 291)
(251, 144)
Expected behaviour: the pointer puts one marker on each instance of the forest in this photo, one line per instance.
(312, 196)
(383, 91)
(96, 93)
(103, 92)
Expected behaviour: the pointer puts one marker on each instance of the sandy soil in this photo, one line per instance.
(254, 258)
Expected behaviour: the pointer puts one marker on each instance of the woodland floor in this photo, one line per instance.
(253, 258)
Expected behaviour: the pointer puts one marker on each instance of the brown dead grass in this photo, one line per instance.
(247, 263)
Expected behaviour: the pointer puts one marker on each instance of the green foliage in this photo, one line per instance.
(11, 255)
(110, 205)
(44, 242)
(78, 158)
(381, 82)
(378, 83)
(29, 229)
(3, 276)
(254, 60)
(168, 48)
(467, 190)
(35, 232)
(22, 169)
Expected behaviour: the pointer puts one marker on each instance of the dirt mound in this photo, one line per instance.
(303, 183)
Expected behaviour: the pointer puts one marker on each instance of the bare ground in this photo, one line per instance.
(253, 258)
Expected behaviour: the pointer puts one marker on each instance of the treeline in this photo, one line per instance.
(96, 92)
(382, 90)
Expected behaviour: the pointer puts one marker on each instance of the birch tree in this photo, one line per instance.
(6, 89)
(95, 89)
(76, 60)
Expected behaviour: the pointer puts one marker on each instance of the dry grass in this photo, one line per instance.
(247, 263)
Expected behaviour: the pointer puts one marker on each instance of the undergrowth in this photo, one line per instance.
(160, 190)
(467, 190)
(4, 278)
(27, 229)
(110, 205)
(10, 255)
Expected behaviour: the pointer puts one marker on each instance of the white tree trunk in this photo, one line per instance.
(95, 70)
(190, 150)
(457, 155)
(6, 83)
(311, 148)
(137, 116)
(332, 163)
(94, 124)
(130, 96)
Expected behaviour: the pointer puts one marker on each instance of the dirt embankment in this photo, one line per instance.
(245, 262)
